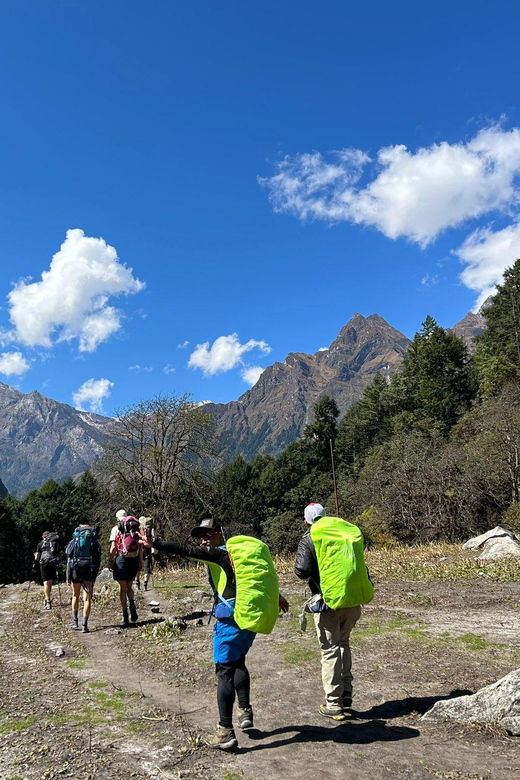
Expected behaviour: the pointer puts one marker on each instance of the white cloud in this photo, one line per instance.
(252, 374)
(224, 354)
(139, 368)
(71, 299)
(183, 345)
(92, 393)
(429, 281)
(13, 364)
(416, 195)
(413, 194)
(486, 255)
(168, 369)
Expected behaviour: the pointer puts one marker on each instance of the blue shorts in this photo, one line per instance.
(230, 642)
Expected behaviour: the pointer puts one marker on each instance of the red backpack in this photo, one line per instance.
(127, 537)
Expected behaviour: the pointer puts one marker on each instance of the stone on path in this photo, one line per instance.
(497, 703)
(105, 575)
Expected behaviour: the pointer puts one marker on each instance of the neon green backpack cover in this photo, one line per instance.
(343, 574)
(256, 605)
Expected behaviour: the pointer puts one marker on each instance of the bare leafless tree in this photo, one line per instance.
(156, 447)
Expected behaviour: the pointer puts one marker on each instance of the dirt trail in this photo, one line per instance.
(400, 672)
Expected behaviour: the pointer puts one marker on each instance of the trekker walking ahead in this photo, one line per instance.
(240, 613)
(47, 555)
(83, 559)
(330, 556)
(146, 527)
(126, 561)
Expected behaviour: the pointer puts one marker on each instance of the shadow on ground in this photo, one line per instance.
(397, 708)
(347, 733)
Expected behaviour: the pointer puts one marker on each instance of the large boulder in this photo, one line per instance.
(503, 547)
(497, 543)
(497, 703)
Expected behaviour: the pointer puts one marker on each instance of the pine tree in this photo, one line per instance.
(498, 353)
(437, 380)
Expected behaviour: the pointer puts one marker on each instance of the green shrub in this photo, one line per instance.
(511, 518)
(376, 531)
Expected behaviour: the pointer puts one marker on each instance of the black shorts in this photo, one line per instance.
(83, 571)
(147, 564)
(125, 569)
(47, 571)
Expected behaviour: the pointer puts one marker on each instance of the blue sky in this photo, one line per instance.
(264, 170)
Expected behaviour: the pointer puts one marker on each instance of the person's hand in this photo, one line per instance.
(145, 539)
(111, 566)
(283, 604)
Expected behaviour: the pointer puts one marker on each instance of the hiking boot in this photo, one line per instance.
(47, 605)
(223, 739)
(333, 714)
(133, 613)
(347, 702)
(85, 630)
(146, 586)
(245, 718)
(126, 622)
(74, 625)
(138, 584)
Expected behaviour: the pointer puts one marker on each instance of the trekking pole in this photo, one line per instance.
(334, 477)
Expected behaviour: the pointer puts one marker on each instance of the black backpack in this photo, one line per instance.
(50, 548)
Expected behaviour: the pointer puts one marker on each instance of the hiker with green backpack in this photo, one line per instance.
(330, 556)
(83, 560)
(246, 602)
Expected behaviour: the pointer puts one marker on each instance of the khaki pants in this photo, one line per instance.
(333, 628)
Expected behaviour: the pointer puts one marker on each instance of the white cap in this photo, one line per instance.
(121, 513)
(312, 511)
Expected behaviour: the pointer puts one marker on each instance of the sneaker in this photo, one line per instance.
(74, 625)
(347, 702)
(47, 605)
(333, 714)
(223, 739)
(133, 613)
(245, 718)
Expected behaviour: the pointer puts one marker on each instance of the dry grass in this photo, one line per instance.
(439, 561)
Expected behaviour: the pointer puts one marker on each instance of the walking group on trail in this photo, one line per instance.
(246, 597)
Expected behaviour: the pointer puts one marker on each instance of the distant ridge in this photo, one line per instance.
(275, 410)
(42, 439)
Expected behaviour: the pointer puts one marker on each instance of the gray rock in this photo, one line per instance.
(202, 594)
(501, 547)
(479, 541)
(496, 703)
(105, 575)
(56, 649)
(512, 725)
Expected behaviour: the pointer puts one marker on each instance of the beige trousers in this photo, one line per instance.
(333, 628)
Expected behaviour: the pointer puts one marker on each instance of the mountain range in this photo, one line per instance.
(42, 439)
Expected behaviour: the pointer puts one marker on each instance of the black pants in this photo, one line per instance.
(232, 677)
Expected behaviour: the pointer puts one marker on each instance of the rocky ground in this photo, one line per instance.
(136, 703)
